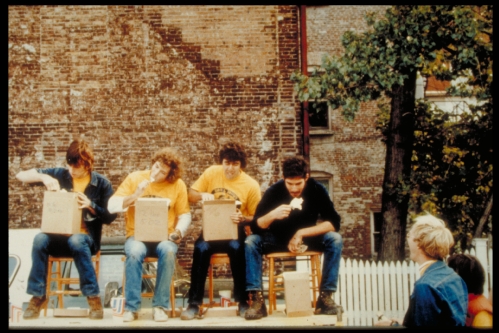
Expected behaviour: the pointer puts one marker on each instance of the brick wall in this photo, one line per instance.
(353, 153)
(132, 79)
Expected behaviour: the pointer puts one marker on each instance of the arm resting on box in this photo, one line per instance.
(33, 176)
(195, 196)
(115, 205)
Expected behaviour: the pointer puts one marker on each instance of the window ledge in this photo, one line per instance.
(321, 132)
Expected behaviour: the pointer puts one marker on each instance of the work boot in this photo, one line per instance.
(95, 305)
(242, 307)
(326, 305)
(257, 308)
(190, 313)
(34, 306)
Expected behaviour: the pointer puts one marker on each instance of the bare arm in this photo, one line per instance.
(33, 176)
(195, 196)
(130, 199)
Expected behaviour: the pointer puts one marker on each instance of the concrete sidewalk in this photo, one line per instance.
(214, 318)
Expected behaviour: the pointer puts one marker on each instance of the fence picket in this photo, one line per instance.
(368, 303)
(367, 288)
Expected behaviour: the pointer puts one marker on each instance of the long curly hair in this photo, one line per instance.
(171, 158)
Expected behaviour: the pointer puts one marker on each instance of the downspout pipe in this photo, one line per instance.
(304, 70)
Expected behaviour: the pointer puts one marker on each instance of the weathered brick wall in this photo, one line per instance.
(132, 79)
(354, 154)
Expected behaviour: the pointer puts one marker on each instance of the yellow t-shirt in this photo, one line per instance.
(242, 188)
(176, 192)
(79, 185)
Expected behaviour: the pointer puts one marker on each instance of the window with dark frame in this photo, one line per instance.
(376, 231)
(318, 115)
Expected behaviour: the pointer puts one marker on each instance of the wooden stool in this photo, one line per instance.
(216, 259)
(315, 274)
(57, 277)
(148, 260)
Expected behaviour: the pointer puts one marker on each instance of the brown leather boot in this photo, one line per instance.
(257, 309)
(34, 306)
(95, 304)
(326, 304)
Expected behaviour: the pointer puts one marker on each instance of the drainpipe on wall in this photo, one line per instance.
(304, 70)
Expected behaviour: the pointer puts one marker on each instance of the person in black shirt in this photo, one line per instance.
(286, 219)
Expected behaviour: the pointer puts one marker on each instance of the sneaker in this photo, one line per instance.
(241, 308)
(191, 312)
(326, 305)
(159, 314)
(34, 306)
(129, 316)
(257, 309)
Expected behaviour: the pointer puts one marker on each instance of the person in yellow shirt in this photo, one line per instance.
(224, 181)
(94, 191)
(471, 271)
(161, 181)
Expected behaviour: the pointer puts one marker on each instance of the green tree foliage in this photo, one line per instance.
(432, 163)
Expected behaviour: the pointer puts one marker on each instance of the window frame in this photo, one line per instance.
(374, 233)
(321, 130)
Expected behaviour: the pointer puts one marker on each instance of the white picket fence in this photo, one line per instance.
(368, 288)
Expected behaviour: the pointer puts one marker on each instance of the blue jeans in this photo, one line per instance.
(201, 262)
(330, 243)
(135, 252)
(79, 246)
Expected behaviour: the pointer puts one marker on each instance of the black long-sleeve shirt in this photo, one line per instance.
(316, 202)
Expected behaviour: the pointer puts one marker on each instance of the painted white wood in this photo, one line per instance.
(366, 288)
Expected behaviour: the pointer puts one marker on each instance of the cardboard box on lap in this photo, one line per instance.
(151, 219)
(61, 214)
(217, 224)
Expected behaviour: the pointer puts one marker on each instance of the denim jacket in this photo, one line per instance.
(439, 298)
(99, 190)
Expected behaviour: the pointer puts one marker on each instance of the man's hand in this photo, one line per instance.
(175, 236)
(84, 202)
(295, 243)
(238, 217)
(207, 196)
(281, 212)
(51, 183)
(142, 187)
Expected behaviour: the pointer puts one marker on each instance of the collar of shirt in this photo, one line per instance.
(424, 266)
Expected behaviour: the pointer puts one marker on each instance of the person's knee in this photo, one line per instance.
(40, 241)
(135, 249)
(333, 239)
(234, 245)
(252, 242)
(167, 248)
(202, 246)
(77, 242)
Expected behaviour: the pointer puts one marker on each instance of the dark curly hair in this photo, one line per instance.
(470, 270)
(232, 151)
(172, 159)
(295, 167)
(79, 153)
